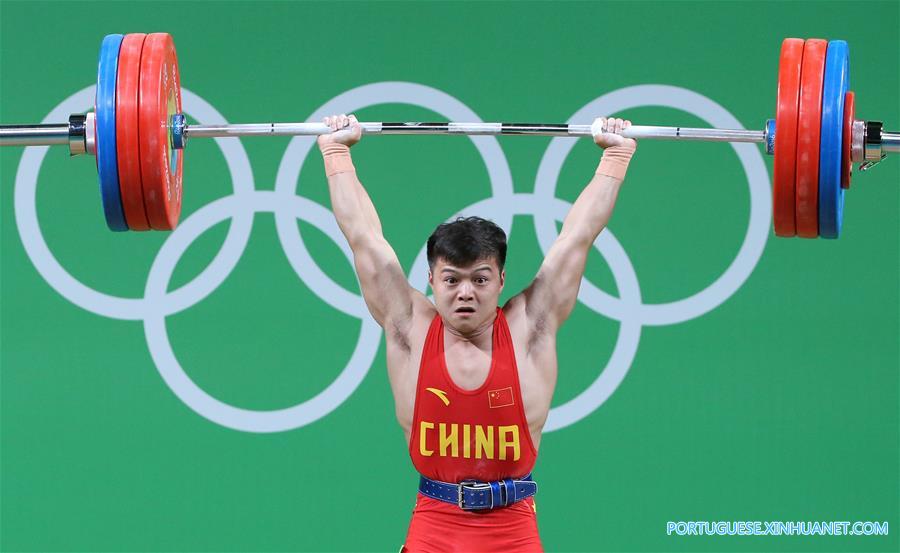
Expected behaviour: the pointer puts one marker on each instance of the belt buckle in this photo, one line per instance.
(459, 494)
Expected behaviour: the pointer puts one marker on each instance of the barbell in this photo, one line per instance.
(138, 133)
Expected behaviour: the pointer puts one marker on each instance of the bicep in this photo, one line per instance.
(385, 289)
(552, 295)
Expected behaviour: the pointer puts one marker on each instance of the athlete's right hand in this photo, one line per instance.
(345, 130)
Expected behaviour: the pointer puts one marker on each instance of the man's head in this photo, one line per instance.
(465, 261)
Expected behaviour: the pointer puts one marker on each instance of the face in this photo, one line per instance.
(466, 297)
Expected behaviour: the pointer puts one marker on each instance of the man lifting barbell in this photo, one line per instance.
(472, 382)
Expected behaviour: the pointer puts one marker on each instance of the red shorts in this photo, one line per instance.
(437, 526)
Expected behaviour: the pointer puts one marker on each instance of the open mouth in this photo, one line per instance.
(465, 310)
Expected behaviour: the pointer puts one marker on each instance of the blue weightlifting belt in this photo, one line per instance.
(472, 495)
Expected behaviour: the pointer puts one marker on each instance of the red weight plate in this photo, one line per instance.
(809, 125)
(160, 98)
(846, 161)
(127, 143)
(783, 191)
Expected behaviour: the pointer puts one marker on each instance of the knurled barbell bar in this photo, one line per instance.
(138, 131)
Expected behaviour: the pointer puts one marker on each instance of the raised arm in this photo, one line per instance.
(388, 295)
(551, 296)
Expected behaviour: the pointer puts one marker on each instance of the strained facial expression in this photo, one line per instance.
(466, 297)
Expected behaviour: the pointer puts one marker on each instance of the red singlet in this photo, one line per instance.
(477, 434)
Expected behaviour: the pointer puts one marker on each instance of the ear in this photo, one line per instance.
(502, 278)
(431, 279)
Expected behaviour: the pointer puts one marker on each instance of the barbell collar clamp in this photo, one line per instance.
(178, 137)
(865, 166)
(873, 140)
(858, 141)
(90, 133)
(769, 134)
(77, 134)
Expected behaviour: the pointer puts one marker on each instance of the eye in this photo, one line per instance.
(450, 280)
(481, 280)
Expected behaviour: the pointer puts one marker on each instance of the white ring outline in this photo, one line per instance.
(247, 420)
(297, 151)
(760, 202)
(116, 307)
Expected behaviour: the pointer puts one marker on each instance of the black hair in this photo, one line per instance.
(467, 240)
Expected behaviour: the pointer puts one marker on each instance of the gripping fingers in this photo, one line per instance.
(597, 126)
(610, 125)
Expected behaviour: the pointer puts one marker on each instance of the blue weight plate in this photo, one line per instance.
(105, 105)
(834, 88)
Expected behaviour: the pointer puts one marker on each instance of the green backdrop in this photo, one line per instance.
(778, 403)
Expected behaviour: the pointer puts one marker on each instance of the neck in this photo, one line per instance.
(479, 336)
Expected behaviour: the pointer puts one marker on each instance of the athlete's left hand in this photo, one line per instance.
(607, 132)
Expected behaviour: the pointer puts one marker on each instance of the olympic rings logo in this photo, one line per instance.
(286, 205)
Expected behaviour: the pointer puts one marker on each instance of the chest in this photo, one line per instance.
(467, 365)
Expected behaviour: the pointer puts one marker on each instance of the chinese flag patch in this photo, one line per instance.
(500, 398)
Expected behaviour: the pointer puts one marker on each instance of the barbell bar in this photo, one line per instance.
(138, 95)
(70, 134)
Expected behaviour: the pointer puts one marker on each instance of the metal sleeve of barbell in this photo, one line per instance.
(890, 142)
(34, 135)
(534, 129)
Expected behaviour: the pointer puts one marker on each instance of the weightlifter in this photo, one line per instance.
(472, 382)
